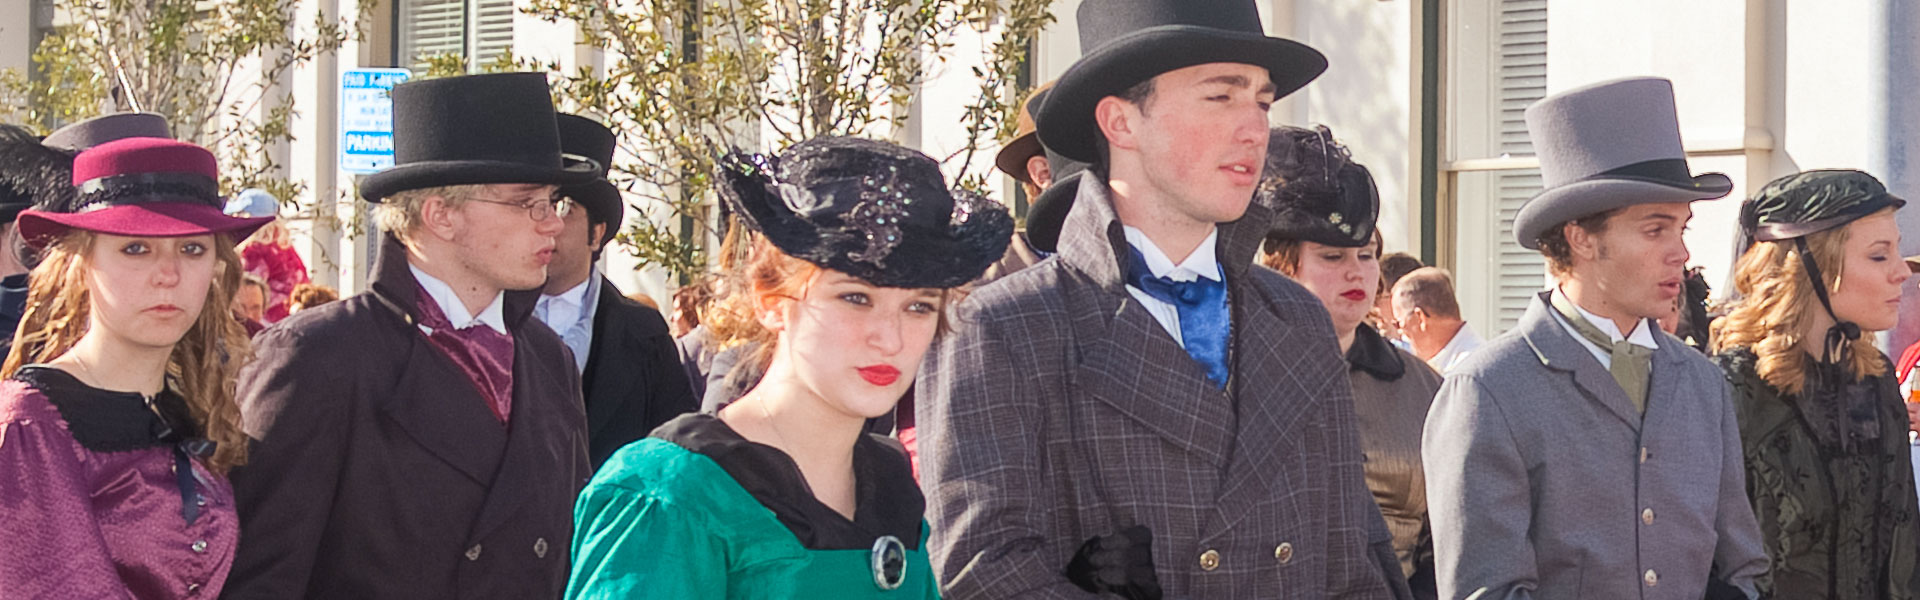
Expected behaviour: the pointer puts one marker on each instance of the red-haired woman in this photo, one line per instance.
(782, 494)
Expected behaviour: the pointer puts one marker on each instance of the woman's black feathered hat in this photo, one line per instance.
(31, 174)
(1316, 190)
(870, 209)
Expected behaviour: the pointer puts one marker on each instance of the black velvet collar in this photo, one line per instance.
(887, 498)
(1376, 356)
(108, 421)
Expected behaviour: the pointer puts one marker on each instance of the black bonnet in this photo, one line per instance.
(1316, 190)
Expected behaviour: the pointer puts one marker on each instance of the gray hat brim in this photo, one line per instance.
(1578, 199)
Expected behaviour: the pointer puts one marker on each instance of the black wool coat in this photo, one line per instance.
(378, 471)
(634, 378)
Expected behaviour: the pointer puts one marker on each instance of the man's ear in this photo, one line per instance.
(440, 218)
(1582, 242)
(597, 236)
(1116, 118)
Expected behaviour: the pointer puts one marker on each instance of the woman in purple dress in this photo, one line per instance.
(117, 416)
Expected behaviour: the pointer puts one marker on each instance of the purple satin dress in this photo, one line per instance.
(77, 522)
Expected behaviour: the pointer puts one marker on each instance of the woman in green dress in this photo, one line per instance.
(1821, 421)
(781, 495)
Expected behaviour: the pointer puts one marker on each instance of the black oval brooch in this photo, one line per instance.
(889, 562)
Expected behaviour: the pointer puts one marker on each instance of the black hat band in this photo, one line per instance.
(144, 188)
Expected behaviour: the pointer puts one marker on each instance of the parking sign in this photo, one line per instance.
(366, 118)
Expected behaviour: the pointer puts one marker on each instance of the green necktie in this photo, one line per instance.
(1631, 364)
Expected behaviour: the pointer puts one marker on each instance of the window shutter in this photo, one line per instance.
(1522, 45)
(431, 28)
(492, 31)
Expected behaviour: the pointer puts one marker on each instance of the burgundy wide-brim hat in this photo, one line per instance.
(141, 187)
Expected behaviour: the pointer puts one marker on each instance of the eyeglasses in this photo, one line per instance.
(537, 208)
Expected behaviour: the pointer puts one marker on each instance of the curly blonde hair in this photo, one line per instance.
(1777, 303)
(203, 366)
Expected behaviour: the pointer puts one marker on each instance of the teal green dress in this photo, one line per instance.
(697, 512)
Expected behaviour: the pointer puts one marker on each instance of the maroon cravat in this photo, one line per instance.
(485, 355)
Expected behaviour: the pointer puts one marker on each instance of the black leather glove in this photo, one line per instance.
(1121, 564)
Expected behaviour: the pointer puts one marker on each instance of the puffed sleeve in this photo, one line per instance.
(55, 548)
(628, 544)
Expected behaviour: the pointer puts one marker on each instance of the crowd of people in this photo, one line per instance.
(1194, 373)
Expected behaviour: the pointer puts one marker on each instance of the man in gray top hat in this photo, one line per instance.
(1586, 454)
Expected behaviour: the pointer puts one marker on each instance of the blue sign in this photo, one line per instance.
(366, 118)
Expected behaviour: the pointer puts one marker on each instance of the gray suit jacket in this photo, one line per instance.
(1060, 410)
(1543, 481)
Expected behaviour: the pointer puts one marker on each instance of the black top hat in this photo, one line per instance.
(1048, 213)
(1316, 190)
(31, 174)
(581, 136)
(1125, 42)
(475, 129)
(869, 209)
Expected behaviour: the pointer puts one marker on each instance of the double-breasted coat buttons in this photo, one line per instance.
(1209, 560)
(474, 552)
(1284, 553)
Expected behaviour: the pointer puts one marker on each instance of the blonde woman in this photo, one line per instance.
(117, 419)
(1821, 420)
(783, 494)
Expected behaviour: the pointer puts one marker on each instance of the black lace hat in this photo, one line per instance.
(1813, 201)
(1316, 190)
(870, 209)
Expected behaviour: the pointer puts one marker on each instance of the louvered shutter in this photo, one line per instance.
(492, 31)
(431, 28)
(1522, 81)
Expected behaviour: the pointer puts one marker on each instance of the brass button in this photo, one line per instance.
(1652, 578)
(200, 546)
(193, 587)
(1284, 553)
(474, 552)
(1209, 560)
(540, 548)
(1646, 516)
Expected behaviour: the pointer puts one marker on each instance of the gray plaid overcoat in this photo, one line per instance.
(1059, 410)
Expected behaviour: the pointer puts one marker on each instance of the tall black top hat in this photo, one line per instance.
(869, 209)
(586, 137)
(1125, 42)
(475, 129)
(1316, 190)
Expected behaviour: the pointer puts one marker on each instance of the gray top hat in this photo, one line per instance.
(1608, 145)
(102, 129)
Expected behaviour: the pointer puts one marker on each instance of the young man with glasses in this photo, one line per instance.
(425, 439)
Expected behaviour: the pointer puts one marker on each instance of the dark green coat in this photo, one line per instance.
(695, 512)
(1832, 487)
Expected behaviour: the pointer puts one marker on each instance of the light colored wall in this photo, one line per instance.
(1364, 96)
(16, 33)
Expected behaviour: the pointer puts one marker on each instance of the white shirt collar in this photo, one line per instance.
(559, 311)
(1642, 335)
(1200, 263)
(442, 294)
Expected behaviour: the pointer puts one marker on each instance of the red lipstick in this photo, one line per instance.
(1354, 295)
(880, 375)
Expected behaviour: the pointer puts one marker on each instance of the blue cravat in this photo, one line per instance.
(1202, 304)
